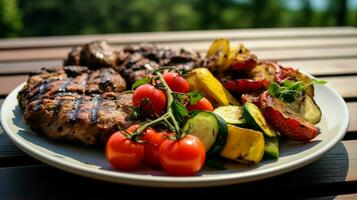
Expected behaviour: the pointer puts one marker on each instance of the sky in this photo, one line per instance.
(318, 4)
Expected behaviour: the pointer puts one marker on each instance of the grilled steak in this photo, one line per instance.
(133, 62)
(75, 103)
(84, 104)
(75, 117)
(94, 55)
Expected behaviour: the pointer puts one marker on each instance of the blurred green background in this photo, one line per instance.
(24, 18)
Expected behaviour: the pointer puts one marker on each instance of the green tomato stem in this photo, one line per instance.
(169, 103)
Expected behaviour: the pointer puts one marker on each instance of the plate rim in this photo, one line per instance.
(169, 181)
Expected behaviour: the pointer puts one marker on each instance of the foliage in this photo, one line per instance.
(67, 17)
(10, 18)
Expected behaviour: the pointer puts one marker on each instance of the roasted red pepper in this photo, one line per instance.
(245, 85)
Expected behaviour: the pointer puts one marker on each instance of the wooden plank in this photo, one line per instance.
(278, 50)
(304, 54)
(334, 173)
(323, 67)
(352, 108)
(316, 67)
(336, 197)
(180, 36)
(344, 85)
(8, 83)
(27, 66)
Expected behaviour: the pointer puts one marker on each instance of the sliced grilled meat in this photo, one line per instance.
(73, 79)
(133, 62)
(94, 55)
(75, 117)
(75, 103)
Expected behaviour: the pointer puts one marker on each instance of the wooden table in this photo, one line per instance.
(328, 53)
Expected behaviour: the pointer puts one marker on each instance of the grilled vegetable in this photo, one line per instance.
(310, 110)
(285, 120)
(245, 85)
(255, 118)
(221, 138)
(241, 59)
(272, 147)
(202, 80)
(250, 97)
(219, 51)
(231, 114)
(243, 144)
(207, 127)
(307, 109)
(264, 71)
(295, 75)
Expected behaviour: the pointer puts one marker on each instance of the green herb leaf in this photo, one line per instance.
(140, 82)
(288, 83)
(195, 96)
(288, 96)
(316, 81)
(179, 111)
(274, 89)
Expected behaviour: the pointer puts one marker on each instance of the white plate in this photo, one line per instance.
(91, 162)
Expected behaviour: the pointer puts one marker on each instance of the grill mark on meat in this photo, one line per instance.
(43, 87)
(58, 105)
(96, 106)
(73, 115)
(85, 82)
(105, 76)
(38, 105)
(64, 85)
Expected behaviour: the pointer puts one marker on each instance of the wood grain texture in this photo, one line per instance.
(265, 54)
(318, 67)
(8, 83)
(338, 197)
(345, 85)
(181, 36)
(323, 67)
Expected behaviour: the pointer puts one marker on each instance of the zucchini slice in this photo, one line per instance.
(272, 147)
(221, 138)
(231, 114)
(208, 128)
(256, 119)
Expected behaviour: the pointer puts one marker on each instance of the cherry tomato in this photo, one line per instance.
(153, 142)
(202, 104)
(182, 157)
(132, 128)
(123, 153)
(176, 82)
(152, 99)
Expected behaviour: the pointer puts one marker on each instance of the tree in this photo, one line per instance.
(10, 19)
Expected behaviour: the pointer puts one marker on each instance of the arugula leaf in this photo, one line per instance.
(179, 111)
(195, 96)
(140, 82)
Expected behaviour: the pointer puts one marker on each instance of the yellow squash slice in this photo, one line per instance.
(202, 79)
(243, 145)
